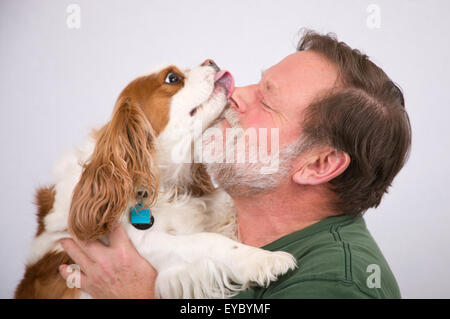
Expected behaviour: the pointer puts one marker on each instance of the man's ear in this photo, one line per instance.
(321, 166)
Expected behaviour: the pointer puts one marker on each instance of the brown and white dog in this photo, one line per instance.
(192, 243)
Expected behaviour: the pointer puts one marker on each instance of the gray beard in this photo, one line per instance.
(245, 179)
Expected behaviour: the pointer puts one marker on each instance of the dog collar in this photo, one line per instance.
(141, 217)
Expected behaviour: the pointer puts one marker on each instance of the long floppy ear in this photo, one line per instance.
(121, 165)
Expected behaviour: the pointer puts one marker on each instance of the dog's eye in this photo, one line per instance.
(172, 78)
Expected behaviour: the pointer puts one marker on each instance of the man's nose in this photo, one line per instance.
(210, 62)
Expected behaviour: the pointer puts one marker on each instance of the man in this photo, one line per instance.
(343, 123)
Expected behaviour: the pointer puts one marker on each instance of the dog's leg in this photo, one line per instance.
(218, 264)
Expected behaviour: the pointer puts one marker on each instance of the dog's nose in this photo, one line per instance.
(209, 62)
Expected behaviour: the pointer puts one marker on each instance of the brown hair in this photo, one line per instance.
(122, 165)
(363, 116)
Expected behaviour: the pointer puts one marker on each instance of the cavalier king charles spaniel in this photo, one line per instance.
(172, 212)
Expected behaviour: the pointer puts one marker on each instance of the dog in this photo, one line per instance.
(187, 229)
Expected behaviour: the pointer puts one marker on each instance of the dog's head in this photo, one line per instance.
(154, 113)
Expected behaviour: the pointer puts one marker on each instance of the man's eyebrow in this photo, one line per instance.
(268, 85)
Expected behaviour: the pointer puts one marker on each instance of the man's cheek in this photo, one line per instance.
(257, 120)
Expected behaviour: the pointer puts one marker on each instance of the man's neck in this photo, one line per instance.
(265, 217)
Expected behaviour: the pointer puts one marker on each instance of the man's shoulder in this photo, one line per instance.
(338, 259)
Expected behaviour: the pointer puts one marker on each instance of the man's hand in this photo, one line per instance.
(114, 271)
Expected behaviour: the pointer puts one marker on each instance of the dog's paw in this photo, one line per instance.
(262, 266)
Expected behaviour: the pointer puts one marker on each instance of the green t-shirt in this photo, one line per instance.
(337, 258)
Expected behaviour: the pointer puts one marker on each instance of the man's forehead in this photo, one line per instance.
(306, 70)
(299, 63)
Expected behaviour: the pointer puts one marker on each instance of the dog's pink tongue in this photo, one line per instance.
(226, 79)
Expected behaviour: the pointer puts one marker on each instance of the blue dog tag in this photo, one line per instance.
(141, 217)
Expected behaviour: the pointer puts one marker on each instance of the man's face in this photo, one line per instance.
(282, 94)
(277, 101)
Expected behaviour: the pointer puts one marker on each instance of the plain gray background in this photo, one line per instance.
(57, 82)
